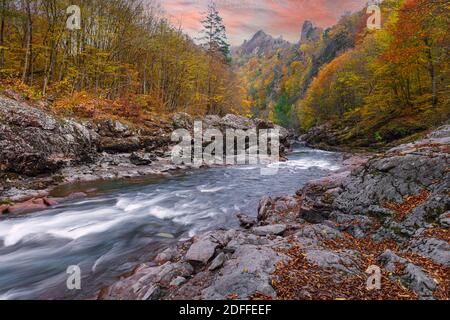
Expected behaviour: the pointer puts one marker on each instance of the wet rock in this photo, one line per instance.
(273, 229)
(264, 207)
(245, 221)
(218, 262)
(167, 255)
(435, 249)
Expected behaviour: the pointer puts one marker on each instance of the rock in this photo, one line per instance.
(346, 261)
(444, 220)
(435, 249)
(167, 255)
(153, 293)
(246, 273)
(217, 262)
(141, 158)
(147, 282)
(274, 229)
(50, 202)
(113, 128)
(419, 281)
(201, 251)
(178, 281)
(182, 120)
(245, 221)
(412, 276)
(33, 142)
(390, 260)
(263, 208)
(232, 121)
(27, 207)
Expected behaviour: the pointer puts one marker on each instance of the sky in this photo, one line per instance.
(243, 18)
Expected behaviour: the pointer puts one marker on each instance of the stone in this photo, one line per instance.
(218, 262)
(419, 281)
(345, 261)
(435, 249)
(141, 158)
(245, 221)
(202, 251)
(167, 255)
(246, 273)
(178, 281)
(263, 208)
(444, 220)
(273, 229)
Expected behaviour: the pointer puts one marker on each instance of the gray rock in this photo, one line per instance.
(202, 251)
(247, 272)
(218, 262)
(166, 255)
(444, 220)
(435, 249)
(153, 293)
(141, 158)
(245, 221)
(178, 281)
(345, 261)
(263, 208)
(182, 120)
(419, 281)
(273, 229)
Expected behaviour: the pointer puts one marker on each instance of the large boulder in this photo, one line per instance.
(34, 142)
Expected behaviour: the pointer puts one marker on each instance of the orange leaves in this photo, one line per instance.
(409, 204)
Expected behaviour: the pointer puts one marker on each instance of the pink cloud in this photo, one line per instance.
(244, 17)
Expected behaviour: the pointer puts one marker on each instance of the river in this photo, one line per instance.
(129, 222)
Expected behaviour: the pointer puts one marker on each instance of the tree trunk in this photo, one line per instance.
(28, 55)
(2, 34)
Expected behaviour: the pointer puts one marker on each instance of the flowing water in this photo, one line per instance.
(126, 223)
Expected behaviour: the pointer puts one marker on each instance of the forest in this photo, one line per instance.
(374, 86)
(126, 55)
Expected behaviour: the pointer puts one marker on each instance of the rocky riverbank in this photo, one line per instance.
(40, 150)
(389, 211)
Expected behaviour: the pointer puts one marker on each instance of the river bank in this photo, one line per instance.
(41, 151)
(389, 211)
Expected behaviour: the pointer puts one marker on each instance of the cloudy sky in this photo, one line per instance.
(276, 17)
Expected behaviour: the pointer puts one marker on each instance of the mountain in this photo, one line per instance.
(261, 44)
(310, 33)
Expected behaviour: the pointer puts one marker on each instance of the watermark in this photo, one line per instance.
(74, 280)
(374, 20)
(374, 279)
(73, 22)
(237, 147)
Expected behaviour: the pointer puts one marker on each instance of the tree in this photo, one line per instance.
(215, 37)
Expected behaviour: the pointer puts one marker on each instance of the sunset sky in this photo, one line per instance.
(276, 17)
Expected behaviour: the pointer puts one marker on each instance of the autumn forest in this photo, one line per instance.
(372, 86)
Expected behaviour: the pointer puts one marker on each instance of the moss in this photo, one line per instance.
(7, 202)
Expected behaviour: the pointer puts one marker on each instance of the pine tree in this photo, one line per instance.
(215, 37)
